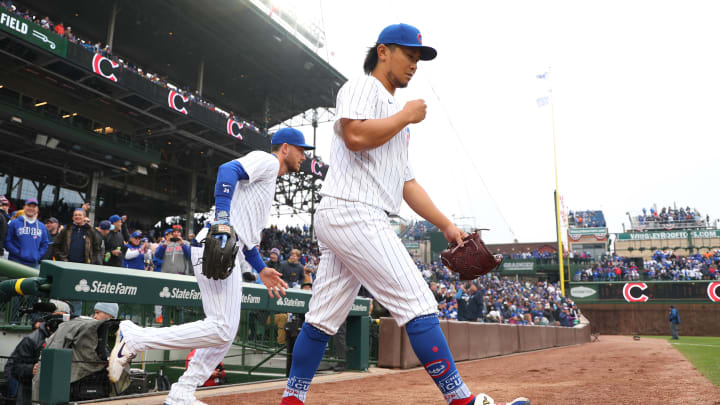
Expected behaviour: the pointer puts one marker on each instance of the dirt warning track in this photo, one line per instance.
(614, 370)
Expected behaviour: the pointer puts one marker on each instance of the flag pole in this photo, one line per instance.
(561, 267)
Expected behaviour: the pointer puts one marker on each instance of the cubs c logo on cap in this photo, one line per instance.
(420, 38)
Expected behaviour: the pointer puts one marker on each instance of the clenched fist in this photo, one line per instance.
(416, 110)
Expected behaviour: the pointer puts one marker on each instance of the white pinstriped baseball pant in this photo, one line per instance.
(359, 247)
(212, 336)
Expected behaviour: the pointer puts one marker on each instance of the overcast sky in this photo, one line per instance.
(635, 91)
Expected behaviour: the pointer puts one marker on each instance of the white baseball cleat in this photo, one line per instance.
(119, 358)
(516, 401)
(194, 403)
(485, 399)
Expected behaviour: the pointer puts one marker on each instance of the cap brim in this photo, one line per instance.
(300, 145)
(427, 53)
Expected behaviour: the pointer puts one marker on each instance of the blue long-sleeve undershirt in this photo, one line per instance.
(228, 175)
(252, 256)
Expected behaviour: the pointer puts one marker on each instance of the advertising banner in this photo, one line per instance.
(664, 235)
(33, 33)
(577, 233)
(646, 291)
(74, 281)
(518, 267)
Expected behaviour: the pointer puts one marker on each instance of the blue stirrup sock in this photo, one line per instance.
(307, 355)
(432, 350)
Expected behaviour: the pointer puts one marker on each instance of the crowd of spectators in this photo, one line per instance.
(664, 265)
(671, 217)
(501, 300)
(285, 240)
(586, 219)
(63, 232)
(59, 231)
(96, 47)
(418, 230)
(535, 254)
(548, 257)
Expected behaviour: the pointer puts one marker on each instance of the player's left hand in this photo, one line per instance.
(454, 234)
(222, 218)
(273, 282)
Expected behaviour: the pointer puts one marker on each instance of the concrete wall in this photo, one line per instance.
(652, 319)
(471, 340)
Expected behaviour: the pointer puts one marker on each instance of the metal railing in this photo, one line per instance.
(258, 331)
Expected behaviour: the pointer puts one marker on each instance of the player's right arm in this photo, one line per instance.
(362, 135)
(271, 278)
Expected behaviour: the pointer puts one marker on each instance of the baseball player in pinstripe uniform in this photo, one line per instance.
(243, 197)
(369, 177)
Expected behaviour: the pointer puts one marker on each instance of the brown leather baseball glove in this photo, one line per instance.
(472, 259)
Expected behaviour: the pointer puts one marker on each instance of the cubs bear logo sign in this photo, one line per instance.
(233, 128)
(177, 101)
(99, 66)
(631, 291)
(712, 291)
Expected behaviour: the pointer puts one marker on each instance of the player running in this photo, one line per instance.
(368, 179)
(243, 197)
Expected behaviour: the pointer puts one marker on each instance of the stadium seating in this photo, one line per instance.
(93, 46)
(586, 219)
(664, 265)
(668, 218)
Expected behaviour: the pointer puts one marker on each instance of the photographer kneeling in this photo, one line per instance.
(23, 362)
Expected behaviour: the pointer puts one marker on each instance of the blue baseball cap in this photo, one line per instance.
(136, 234)
(31, 201)
(406, 35)
(105, 225)
(167, 231)
(290, 136)
(114, 218)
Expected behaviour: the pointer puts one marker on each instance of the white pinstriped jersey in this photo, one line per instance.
(252, 199)
(375, 177)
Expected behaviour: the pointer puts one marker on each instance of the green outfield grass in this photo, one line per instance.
(703, 352)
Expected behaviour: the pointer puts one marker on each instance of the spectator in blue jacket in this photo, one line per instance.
(674, 319)
(565, 318)
(27, 238)
(470, 306)
(134, 257)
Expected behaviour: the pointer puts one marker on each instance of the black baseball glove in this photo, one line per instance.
(219, 253)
